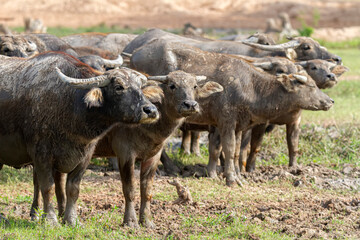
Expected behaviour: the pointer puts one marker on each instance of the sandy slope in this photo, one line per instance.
(174, 13)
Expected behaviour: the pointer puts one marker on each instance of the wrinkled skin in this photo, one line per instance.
(55, 126)
(240, 107)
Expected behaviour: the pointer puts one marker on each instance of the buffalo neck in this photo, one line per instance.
(167, 123)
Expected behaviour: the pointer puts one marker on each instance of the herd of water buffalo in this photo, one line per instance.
(66, 100)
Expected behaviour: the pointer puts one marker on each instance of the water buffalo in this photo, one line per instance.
(325, 75)
(300, 48)
(28, 45)
(146, 142)
(112, 42)
(55, 109)
(250, 96)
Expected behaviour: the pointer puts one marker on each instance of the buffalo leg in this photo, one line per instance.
(72, 193)
(215, 148)
(127, 180)
(147, 172)
(45, 181)
(292, 137)
(228, 140)
(186, 141)
(36, 200)
(60, 191)
(245, 143)
(257, 134)
(237, 152)
(169, 166)
(195, 144)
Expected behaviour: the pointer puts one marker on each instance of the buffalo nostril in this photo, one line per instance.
(187, 105)
(337, 59)
(190, 104)
(331, 76)
(150, 110)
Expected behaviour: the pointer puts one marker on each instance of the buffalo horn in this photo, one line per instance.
(263, 65)
(277, 47)
(113, 63)
(300, 78)
(126, 54)
(32, 46)
(302, 63)
(158, 78)
(86, 83)
(200, 78)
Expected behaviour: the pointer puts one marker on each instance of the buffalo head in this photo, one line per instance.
(182, 89)
(117, 95)
(17, 46)
(304, 93)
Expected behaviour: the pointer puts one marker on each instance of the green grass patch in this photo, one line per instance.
(346, 109)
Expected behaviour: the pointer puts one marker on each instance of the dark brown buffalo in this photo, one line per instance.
(250, 96)
(54, 110)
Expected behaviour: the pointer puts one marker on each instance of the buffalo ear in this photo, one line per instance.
(339, 70)
(209, 88)
(94, 98)
(153, 93)
(286, 82)
(290, 53)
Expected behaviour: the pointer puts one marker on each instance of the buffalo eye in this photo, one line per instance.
(195, 86)
(119, 88)
(314, 68)
(6, 49)
(279, 71)
(172, 86)
(306, 47)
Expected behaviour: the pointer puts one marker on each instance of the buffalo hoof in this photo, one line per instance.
(232, 181)
(131, 224)
(213, 175)
(73, 222)
(148, 224)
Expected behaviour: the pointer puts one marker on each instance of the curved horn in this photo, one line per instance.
(85, 83)
(277, 47)
(300, 78)
(113, 63)
(200, 78)
(126, 54)
(32, 46)
(263, 65)
(251, 39)
(158, 78)
(302, 63)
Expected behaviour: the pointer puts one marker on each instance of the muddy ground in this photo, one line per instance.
(305, 202)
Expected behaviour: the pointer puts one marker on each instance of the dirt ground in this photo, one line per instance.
(175, 13)
(306, 202)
